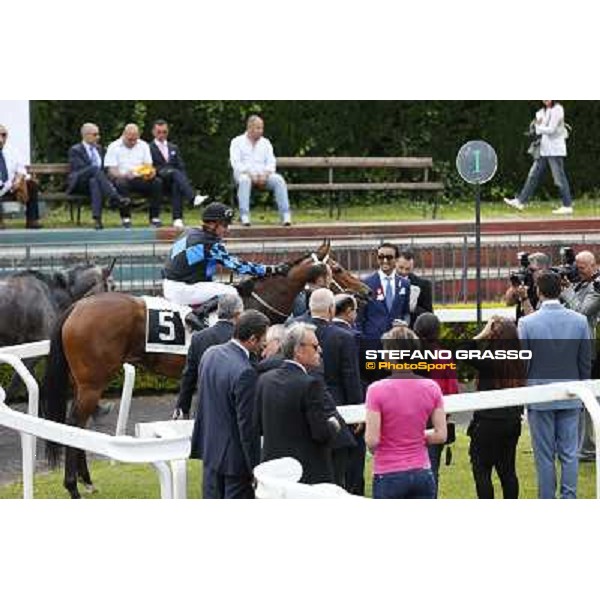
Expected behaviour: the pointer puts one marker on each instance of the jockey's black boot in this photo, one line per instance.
(198, 318)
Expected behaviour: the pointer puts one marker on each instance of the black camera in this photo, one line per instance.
(523, 275)
(567, 268)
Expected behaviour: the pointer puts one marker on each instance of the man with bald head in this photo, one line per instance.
(129, 164)
(253, 163)
(87, 176)
(584, 297)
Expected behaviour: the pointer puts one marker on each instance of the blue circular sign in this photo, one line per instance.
(476, 162)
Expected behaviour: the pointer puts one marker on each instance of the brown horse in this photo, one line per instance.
(97, 335)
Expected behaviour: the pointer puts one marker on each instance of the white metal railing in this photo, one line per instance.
(586, 391)
(120, 447)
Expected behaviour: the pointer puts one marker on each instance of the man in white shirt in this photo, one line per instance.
(14, 184)
(124, 159)
(253, 163)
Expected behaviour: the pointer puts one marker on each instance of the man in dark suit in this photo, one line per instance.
(86, 175)
(291, 409)
(390, 301)
(420, 289)
(170, 167)
(559, 339)
(225, 435)
(340, 372)
(345, 318)
(229, 309)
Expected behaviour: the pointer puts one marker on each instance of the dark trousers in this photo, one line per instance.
(216, 486)
(340, 463)
(355, 469)
(152, 189)
(99, 186)
(179, 188)
(435, 458)
(494, 446)
(32, 211)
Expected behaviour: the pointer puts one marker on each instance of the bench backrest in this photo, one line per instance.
(405, 162)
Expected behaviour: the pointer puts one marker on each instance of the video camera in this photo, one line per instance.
(523, 275)
(567, 269)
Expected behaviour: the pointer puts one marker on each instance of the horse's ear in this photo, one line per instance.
(323, 249)
(60, 279)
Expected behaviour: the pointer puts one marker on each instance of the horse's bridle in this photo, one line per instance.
(274, 310)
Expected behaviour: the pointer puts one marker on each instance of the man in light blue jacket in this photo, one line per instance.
(560, 342)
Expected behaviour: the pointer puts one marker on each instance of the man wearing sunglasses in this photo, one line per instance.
(390, 301)
(14, 185)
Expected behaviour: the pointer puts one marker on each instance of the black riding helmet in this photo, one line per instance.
(217, 211)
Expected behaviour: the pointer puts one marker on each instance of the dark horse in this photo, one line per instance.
(97, 335)
(31, 301)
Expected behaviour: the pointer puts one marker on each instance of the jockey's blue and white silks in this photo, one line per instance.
(195, 255)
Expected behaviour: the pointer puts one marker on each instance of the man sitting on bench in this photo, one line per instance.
(14, 184)
(253, 163)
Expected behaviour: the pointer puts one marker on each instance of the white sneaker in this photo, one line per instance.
(563, 210)
(245, 220)
(178, 224)
(515, 203)
(199, 199)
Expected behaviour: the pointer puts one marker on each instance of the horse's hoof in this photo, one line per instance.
(75, 495)
(90, 488)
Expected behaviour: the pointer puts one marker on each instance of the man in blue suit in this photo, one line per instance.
(560, 342)
(390, 301)
(226, 435)
(86, 175)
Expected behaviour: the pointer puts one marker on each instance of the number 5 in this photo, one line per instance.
(165, 321)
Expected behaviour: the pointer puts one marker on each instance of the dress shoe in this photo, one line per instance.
(126, 221)
(98, 224)
(33, 225)
(199, 199)
(156, 223)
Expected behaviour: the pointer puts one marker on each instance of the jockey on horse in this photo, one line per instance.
(189, 269)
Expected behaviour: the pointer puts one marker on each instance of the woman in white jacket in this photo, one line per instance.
(550, 126)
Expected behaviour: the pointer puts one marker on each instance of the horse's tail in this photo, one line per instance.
(55, 386)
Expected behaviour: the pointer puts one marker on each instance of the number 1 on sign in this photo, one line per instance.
(477, 153)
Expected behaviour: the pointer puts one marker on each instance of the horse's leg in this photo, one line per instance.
(75, 459)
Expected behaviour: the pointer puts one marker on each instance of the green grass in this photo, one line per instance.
(140, 481)
(403, 209)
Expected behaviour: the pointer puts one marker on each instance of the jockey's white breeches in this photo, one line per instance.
(194, 293)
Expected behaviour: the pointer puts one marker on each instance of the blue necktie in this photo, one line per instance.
(389, 294)
(94, 156)
(3, 169)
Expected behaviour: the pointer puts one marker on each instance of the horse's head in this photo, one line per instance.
(88, 279)
(344, 281)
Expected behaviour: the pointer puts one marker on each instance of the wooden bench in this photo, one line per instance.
(398, 165)
(53, 176)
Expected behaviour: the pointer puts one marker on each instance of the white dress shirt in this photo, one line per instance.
(126, 159)
(14, 166)
(163, 147)
(553, 132)
(245, 350)
(383, 278)
(255, 159)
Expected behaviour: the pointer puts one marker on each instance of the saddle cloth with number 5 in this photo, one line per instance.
(166, 331)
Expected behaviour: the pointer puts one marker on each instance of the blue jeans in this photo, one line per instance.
(416, 484)
(555, 433)
(275, 183)
(557, 166)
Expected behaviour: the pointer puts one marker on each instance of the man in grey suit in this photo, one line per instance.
(229, 309)
(226, 435)
(560, 342)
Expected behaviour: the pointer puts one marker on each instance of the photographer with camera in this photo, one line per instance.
(522, 291)
(583, 296)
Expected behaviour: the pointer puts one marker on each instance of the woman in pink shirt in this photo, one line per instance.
(397, 412)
